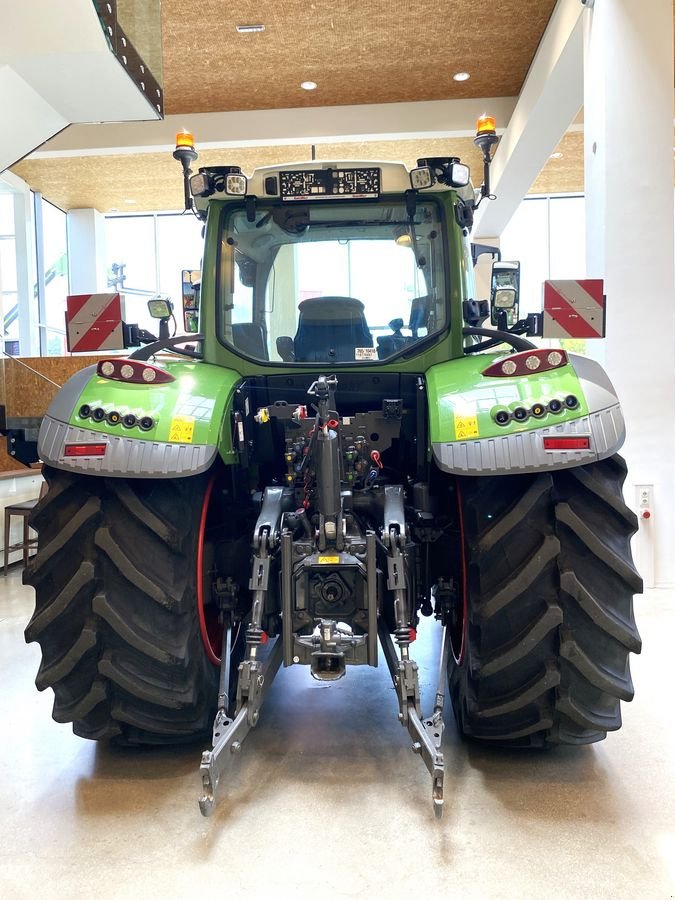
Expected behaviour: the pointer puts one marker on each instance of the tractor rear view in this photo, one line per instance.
(340, 448)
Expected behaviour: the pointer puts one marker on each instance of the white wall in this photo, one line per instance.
(86, 251)
(628, 115)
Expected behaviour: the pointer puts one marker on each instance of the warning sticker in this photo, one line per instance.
(465, 427)
(181, 429)
(329, 560)
(365, 353)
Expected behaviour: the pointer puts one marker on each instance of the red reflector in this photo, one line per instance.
(567, 443)
(85, 450)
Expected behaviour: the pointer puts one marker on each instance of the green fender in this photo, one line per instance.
(466, 438)
(191, 422)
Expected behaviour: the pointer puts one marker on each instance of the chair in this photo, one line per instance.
(249, 337)
(22, 510)
(330, 329)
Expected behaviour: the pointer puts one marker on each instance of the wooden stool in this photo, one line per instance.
(21, 509)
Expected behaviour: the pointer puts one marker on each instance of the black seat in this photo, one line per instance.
(249, 337)
(330, 329)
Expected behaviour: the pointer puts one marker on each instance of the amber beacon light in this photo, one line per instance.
(185, 153)
(486, 125)
(185, 139)
(486, 138)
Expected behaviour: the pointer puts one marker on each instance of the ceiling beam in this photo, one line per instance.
(272, 127)
(551, 97)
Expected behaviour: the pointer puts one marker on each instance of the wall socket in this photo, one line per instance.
(644, 500)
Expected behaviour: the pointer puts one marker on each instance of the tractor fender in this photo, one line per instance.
(163, 430)
(466, 438)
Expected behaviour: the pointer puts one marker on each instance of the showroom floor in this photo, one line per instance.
(327, 800)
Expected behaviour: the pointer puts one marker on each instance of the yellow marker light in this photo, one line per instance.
(486, 125)
(185, 139)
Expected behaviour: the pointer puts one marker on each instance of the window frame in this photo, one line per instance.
(413, 350)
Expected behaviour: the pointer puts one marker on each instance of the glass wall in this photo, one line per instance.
(547, 235)
(9, 308)
(52, 302)
(146, 256)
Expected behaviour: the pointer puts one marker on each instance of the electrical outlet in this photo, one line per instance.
(644, 500)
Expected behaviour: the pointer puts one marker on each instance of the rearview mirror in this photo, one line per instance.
(191, 279)
(505, 293)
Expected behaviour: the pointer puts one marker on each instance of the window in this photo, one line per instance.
(339, 283)
(9, 310)
(146, 256)
(525, 239)
(55, 267)
(547, 236)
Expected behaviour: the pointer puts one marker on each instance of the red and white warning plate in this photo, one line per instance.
(574, 308)
(94, 322)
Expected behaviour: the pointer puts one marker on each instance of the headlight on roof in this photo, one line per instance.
(421, 178)
(200, 185)
(459, 175)
(235, 184)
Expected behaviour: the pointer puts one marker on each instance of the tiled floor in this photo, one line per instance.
(326, 799)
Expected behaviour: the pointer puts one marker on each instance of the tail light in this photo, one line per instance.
(84, 450)
(567, 443)
(530, 362)
(132, 371)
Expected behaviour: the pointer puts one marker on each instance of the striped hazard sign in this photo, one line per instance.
(574, 308)
(94, 322)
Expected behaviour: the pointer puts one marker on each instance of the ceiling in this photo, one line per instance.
(357, 51)
(152, 181)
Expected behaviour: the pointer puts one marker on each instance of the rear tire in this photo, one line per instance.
(116, 615)
(549, 611)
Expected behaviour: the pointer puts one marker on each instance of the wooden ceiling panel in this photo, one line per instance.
(357, 51)
(137, 181)
(152, 181)
(565, 174)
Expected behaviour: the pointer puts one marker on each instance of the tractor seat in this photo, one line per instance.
(330, 329)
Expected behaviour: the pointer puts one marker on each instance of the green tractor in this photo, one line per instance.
(338, 449)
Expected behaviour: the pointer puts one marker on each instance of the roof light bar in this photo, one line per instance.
(225, 179)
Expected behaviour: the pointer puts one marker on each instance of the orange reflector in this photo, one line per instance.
(567, 443)
(486, 125)
(85, 449)
(185, 139)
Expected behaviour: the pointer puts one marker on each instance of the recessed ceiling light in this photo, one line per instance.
(556, 155)
(461, 76)
(308, 85)
(129, 201)
(250, 29)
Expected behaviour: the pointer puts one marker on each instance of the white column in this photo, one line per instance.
(629, 227)
(86, 251)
